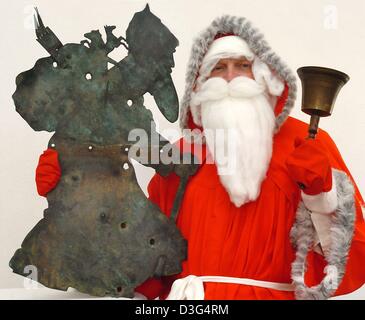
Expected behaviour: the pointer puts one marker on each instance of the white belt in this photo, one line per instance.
(192, 288)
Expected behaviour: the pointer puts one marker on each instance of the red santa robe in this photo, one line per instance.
(252, 241)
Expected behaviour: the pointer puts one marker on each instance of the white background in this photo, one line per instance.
(327, 33)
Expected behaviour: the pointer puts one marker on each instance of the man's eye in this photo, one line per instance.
(246, 65)
(218, 68)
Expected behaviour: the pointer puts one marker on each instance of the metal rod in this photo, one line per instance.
(313, 126)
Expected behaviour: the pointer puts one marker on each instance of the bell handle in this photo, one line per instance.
(313, 126)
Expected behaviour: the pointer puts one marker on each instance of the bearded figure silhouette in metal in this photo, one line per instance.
(100, 234)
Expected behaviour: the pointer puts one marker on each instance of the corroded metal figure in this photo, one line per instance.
(99, 233)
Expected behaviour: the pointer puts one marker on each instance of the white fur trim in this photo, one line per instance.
(321, 206)
(323, 203)
(264, 76)
(317, 245)
(231, 44)
(322, 226)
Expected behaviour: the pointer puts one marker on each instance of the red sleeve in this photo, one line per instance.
(48, 172)
(153, 189)
(151, 288)
(354, 276)
(162, 191)
(338, 162)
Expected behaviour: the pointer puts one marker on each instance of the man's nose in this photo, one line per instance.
(231, 73)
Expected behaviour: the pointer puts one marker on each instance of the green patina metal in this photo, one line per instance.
(99, 233)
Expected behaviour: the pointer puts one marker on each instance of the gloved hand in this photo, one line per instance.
(151, 288)
(48, 172)
(309, 166)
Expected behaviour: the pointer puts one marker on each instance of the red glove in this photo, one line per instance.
(48, 172)
(151, 288)
(157, 287)
(309, 166)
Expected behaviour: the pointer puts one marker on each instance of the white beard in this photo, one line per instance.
(238, 123)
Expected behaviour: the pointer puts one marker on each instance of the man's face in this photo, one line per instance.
(231, 68)
(238, 122)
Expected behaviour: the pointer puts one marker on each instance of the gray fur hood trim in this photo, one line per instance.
(239, 26)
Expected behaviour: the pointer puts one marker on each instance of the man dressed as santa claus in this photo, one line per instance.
(268, 214)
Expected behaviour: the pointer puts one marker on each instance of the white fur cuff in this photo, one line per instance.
(325, 202)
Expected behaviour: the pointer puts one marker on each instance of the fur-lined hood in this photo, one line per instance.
(243, 28)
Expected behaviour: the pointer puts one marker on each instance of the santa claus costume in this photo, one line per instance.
(254, 234)
(281, 243)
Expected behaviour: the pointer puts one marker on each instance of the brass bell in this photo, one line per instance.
(320, 87)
